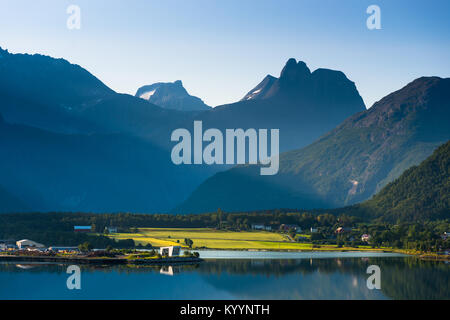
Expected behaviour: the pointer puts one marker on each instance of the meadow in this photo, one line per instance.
(222, 239)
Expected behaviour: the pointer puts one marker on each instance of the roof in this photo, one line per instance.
(24, 240)
(33, 243)
(83, 227)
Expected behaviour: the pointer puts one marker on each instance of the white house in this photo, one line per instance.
(260, 226)
(170, 251)
(314, 230)
(112, 229)
(365, 237)
(25, 243)
(257, 226)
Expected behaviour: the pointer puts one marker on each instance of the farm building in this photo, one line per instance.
(25, 243)
(112, 229)
(259, 226)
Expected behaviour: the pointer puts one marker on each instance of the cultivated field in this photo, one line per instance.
(219, 239)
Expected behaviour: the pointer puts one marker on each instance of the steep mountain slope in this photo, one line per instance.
(421, 192)
(50, 171)
(303, 105)
(345, 166)
(171, 96)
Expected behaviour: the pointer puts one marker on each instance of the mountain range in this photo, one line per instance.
(345, 166)
(70, 143)
(302, 104)
(58, 96)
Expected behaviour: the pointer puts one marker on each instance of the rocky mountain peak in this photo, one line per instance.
(294, 71)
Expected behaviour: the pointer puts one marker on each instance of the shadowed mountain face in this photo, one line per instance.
(10, 203)
(347, 165)
(171, 96)
(303, 105)
(50, 171)
(420, 193)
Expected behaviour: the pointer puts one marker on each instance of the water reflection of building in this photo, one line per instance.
(355, 282)
(25, 266)
(169, 270)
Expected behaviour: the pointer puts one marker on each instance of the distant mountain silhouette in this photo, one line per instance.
(303, 105)
(58, 96)
(347, 165)
(171, 96)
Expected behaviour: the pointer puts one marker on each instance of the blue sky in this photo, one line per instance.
(222, 49)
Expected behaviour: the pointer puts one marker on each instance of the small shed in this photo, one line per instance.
(170, 251)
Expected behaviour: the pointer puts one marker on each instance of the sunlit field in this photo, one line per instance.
(219, 239)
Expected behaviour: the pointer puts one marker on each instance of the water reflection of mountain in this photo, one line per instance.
(291, 279)
(401, 278)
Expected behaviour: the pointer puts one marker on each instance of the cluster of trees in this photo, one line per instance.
(189, 242)
(54, 229)
(417, 236)
(420, 193)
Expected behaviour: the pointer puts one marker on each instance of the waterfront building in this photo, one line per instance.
(170, 251)
(25, 243)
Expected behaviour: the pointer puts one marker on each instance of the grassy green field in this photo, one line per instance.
(220, 239)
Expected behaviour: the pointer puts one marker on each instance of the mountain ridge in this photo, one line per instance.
(302, 107)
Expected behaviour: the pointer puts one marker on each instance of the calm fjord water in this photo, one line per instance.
(232, 275)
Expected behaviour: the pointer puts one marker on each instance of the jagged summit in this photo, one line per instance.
(295, 71)
(171, 95)
(297, 83)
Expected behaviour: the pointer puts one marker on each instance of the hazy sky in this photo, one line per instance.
(222, 49)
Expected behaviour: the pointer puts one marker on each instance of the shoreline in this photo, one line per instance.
(190, 260)
(100, 261)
